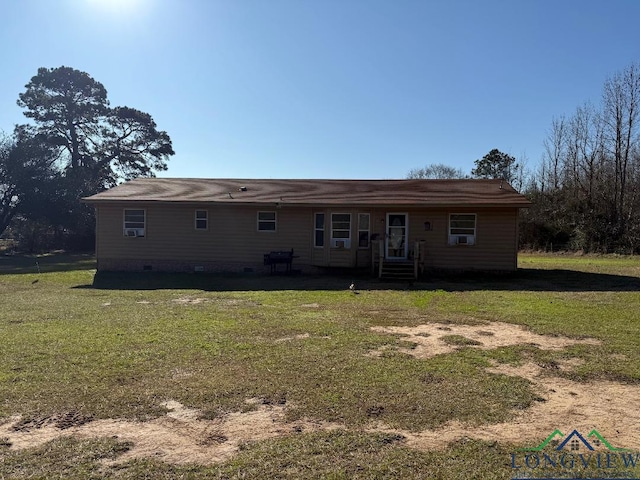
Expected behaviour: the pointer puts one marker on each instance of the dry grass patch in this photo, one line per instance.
(183, 436)
(610, 407)
(179, 437)
(438, 338)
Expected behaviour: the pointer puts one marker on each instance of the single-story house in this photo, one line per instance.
(175, 224)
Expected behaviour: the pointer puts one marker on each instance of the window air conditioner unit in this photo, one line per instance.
(342, 243)
(131, 232)
(462, 239)
(465, 240)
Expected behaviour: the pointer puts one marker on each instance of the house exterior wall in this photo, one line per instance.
(496, 243)
(232, 241)
(495, 246)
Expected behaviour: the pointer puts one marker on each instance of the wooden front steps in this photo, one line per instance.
(397, 270)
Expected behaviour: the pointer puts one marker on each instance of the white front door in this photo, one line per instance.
(396, 238)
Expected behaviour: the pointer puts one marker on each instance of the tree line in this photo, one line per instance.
(585, 191)
(75, 145)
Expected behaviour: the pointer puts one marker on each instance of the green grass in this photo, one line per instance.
(332, 455)
(117, 346)
(459, 340)
(615, 264)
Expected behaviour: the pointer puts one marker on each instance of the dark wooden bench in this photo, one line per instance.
(273, 259)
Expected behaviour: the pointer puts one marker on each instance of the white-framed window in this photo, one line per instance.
(364, 228)
(202, 220)
(318, 230)
(462, 228)
(341, 230)
(134, 222)
(266, 221)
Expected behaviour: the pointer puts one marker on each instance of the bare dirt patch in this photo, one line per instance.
(178, 437)
(300, 336)
(435, 338)
(186, 300)
(611, 408)
(182, 436)
(180, 373)
(223, 301)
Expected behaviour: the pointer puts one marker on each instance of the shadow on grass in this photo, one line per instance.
(221, 282)
(523, 279)
(46, 263)
(539, 280)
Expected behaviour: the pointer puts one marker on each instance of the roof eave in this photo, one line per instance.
(113, 201)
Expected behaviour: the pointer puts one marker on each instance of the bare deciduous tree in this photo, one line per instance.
(437, 171)
(588, 182)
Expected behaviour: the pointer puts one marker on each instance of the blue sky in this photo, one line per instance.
(331, 88)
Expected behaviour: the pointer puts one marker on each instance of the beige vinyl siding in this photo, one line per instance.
(232, 236)
(495, 243)
(341, 257)
(363, 257)
(496, 237)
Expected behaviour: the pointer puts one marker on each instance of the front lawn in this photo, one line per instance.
(79, 351)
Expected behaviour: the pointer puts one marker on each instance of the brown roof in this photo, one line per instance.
(314, 192)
